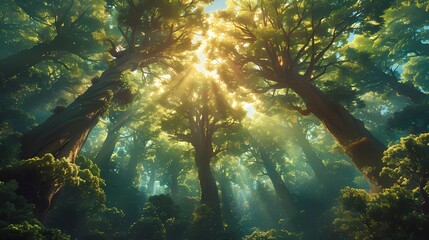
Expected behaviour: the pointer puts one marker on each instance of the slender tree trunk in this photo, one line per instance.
(16, 63)
(209, 191)
(228, 210)
(63, 134)
(312, 158)
(227, 199)
(174, 185)
(279, 186)
(108, 147)
(132, 169)
(151, 183)
(113, 134)
(358, 143)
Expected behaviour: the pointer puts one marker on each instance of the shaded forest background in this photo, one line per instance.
(269, 119)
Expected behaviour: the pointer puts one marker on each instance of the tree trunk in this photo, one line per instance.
(358, 143)
(16, 63)
(228, 209)
(113, 134)
(174, 185)
(108, 147)
(132, 169)
(313, 159)
(64, 133)
(209, 191)
(407, 90)
(279, 186)
(151, 183)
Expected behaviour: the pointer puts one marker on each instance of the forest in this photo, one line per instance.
(224, 120)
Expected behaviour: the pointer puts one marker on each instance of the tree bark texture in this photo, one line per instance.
(64, 133)
(358, 143)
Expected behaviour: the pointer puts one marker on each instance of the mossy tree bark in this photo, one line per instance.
(64, 133)
(358, 143)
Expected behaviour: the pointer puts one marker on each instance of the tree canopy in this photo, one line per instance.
(248, 119)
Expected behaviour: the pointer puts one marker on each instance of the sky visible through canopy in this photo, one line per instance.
(216, 5)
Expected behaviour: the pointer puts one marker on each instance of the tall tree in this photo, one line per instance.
(154, 32)
(172, 162)
(164, 37)
(288, 45)
(267, 149)
(118, 119)
(199, 113)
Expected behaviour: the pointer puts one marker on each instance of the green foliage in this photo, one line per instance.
(416, 71)
(9, 145)
(412, 119)
(162, 207)
(149, 228)
(159, 220)
(391, 214)
(398, 212)
(73, 24)
(408, 161)
(198, 110)
(408, 164)
(84, 205)
(273, 234)
(17, 220)
(44, 171)
(202, 225)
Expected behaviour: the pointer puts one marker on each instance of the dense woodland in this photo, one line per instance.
(269, 119)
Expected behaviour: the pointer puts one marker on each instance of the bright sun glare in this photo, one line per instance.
(202, 59)
(250, 109)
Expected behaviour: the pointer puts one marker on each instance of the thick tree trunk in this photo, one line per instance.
(282, 191)
(209, 191)
(16, 63)
(64, 133)
(358, 143)
(313, 159)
